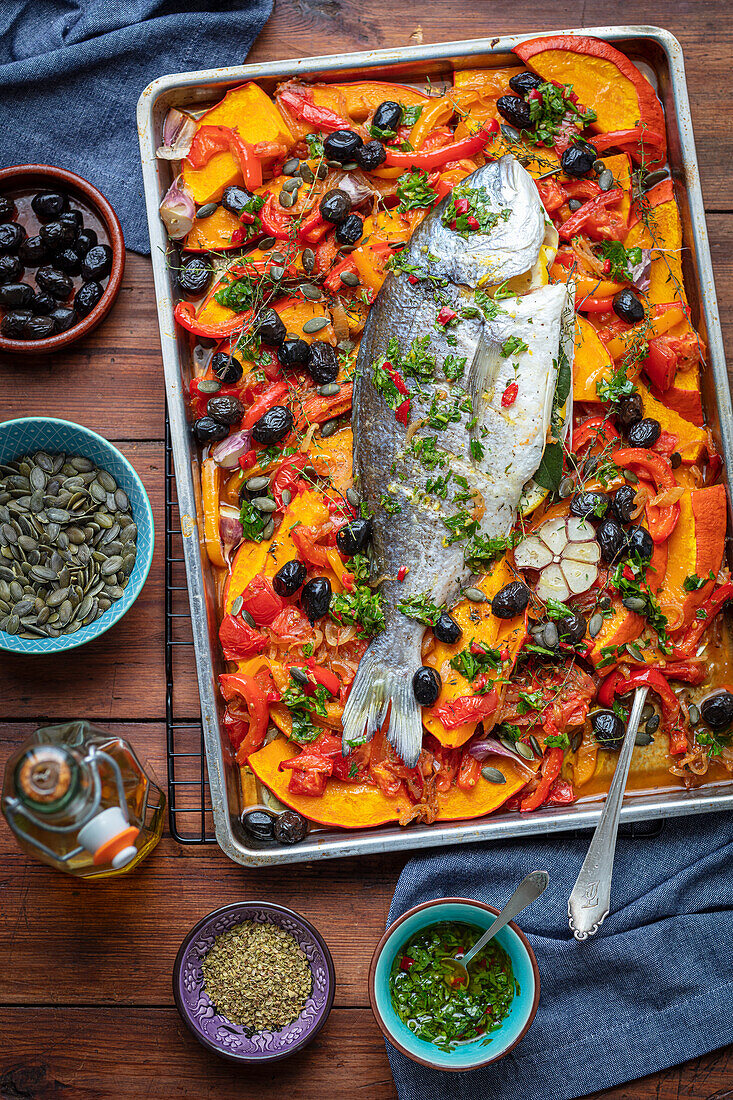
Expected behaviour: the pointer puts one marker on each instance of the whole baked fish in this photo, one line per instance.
(454, 465)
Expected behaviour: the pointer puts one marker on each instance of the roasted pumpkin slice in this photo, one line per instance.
(212, 234)
(696, 549)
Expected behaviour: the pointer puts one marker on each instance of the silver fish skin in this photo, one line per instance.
(509, 249)
(412, 531)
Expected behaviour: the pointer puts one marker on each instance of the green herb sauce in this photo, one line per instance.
(434, 1010)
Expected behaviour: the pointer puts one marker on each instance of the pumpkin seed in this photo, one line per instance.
(651, 179)
(475, 595)
(106, 480)
(576, 741)
(353, 497)
(566, 487)
(290, 167)
(634, 603)
(595, 625)
(643, 738)
(286, 199)
(57, 597)
(208, 385)
(313, 293)
(292, 184)
(310, 471)
(510, 133)
(315, 324)
(256, 484)
(329, 390)
(653, 724)
(631, 477)
(264, 504)
(287, 496)
(41, 573)
(309, 260)
(237, 605)
(524, 750)
(330, 427)
(491, 775)
(536, 747)
(694, 714)
(322, 171)
(605, 180)
(349, 278)
(277, 272)
(267, 242)
(248, 618)
(551, 636)
(12, 624)
(306, 173)
(346, 345)
(269, 529)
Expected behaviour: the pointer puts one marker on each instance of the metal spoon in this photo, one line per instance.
(590, 899)
(529, 890)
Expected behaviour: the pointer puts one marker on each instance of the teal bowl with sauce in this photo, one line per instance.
(466, 1054)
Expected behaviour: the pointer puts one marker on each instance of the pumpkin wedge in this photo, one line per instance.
(592, 362)
(212, 234)
(696, 549)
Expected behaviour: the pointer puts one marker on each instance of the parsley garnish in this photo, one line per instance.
(302, 707)
(361, 608)
(513, 345)
(414, 192)
(420, 608)
(471, 664)
(621, 259)
(554, 108)
(558, 741)
(253, 522)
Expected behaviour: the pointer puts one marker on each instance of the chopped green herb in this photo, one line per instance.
(421, 608)
(414, 191)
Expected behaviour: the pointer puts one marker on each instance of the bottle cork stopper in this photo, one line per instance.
(44, 774)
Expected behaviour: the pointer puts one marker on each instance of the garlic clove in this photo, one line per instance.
(579, 530)
(580, 576)
(582, 551)
(552, 584)
(532, 554)
(554, 534)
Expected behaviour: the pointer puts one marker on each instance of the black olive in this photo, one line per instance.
(87, 297)
(446, 629)
(234, 199)
(194, 275)
(273, 425)
(426, 684)
(208, 430)
(629, 409)
(644, 433)
(370, 155)
(294, 353)
(590, 505)
(97, 263)
(226, 368)
(259, 824)
(227, 410)
(14, 322)
(515, 111)
(612, 541)
(63, 318)
(84, 241)
(73, 220)
(524, 82)
(33, 251)
(353, 537)
(55, 282)
(12, 236)
(387, 115)
(289, 578)
(56, 235)
(623, 503)
(315, 598)
(510, 600)
(341, 145)
(39, 328)
(68, 261)
(7, 209)
(290, 827)
(717, 710)
(640, 542)
(47, 205)
(11, 269)
(42, 302)
(350, 230)
(270, 328)
(335, 205)
(571, 628)
(578, 158)
(16, 295)
(323, 363)
(628, 306)
(608, 729)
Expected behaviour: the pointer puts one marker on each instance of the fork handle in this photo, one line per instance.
(590, 898)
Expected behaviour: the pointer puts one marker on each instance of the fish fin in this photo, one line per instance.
(482, 372)
(381, 687)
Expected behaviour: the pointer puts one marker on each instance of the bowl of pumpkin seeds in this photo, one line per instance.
(76, 535)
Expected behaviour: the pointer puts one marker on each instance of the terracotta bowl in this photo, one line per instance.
(485, 1049)
(24, 178)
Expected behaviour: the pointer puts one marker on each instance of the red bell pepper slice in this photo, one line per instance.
(509, 395)
(309, 550)
(333, 281)
(236, 686)
(310, 783)
(688, 643)
(661, 521)
(185, 315)
(261, 600)
(594, 305)
(458, 150)
(320, 676)
(219, 139)
(551, 765)
(653, 678)
(582, 189)
(576, 221)
(561, 792)
(552, 194)
(660, 364)
(620, 138)
(313, 228)
(287, 476)
(301, 105)
(466, 708)
(468, 772)
(596, 430)
(275, 221)
(238, 639)
(267, 400)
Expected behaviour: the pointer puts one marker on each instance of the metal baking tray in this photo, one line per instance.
(660, 56)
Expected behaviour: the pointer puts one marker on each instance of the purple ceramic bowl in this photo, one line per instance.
(216, 1032)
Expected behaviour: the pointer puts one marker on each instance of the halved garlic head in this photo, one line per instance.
(565, 554)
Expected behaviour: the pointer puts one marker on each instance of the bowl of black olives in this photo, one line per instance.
(62, 256)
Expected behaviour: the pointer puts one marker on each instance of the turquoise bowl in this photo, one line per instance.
(465, 1056)
(35, 433)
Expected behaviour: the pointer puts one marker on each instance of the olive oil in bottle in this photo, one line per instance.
(78, 799)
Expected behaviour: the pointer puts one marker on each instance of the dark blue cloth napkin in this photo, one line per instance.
(71, 72)
(653, 988)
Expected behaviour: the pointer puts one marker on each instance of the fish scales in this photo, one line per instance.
(409, 521)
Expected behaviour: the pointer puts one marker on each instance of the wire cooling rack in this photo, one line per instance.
(189, 806)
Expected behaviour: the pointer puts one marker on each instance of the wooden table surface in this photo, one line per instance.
(85, 1000)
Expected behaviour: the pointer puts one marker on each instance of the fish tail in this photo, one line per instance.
(383, 686)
